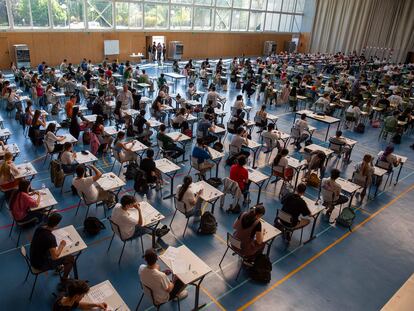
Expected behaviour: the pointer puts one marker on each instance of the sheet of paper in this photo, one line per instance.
(179, 266)
(101, 293)
(171, 253)
(62, 235)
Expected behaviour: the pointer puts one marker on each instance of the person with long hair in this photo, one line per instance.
(124, 148)
(22, 201)
(388, 156)
(364, 169)
(38, 120)
(189, 197)
(7, 172)
(157, 109)
(51, 139)
(98, 129)
(280, 165)
(248, 229)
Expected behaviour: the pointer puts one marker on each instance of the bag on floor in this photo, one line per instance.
(376, 123)
(346, 218)
(314, 180)
(132, 171)
(396, 139)
(208, 224)
(236, 209)
(215, 182)
(141, 183)
(92, 225)
(261, 270)
(56, 173)
(360, 128)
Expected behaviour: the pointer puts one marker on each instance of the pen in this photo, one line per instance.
(189, 267)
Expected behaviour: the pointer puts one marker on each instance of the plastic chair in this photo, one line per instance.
(182, 208)
(235, 245)
(157, 306)
(285, 222)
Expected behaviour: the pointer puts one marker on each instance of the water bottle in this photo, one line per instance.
(145, 198)
(43, 186)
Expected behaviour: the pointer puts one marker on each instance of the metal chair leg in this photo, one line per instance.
(27, 275)
(139, 302)
(142, 245)
(237, 276)
(173, 218)
(11, 228)
(18, 237)
(223, 256)
(122, 252)
(77, 209)
(33, 287)
(186, 225)
(110, 243)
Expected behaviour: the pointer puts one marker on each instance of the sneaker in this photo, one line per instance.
(160, 232)
(182, 295)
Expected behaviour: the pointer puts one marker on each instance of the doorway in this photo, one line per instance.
(149, 40)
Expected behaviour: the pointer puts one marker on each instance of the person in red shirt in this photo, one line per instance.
(69, 106)
(22, 202)
(240, 174)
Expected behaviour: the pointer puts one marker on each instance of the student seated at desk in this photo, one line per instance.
(294, 205)
(162, 288)
(187, 195)
(240, 141)
(51, 140)
(364, 171)
(124, 148)
(391, 123)
(248, 230)
(249, 87)
(98, 129)
(339, 140)
(237, 120)
(161, 81)
(179, 118)
(261, 118)
(271, 136)
(388, 156)
(175, 67)
(76, 290)
(281, 167)
(168, 144)
(322, 103)
(152, 175)
(303, 127)
(157, 110)
(7, 172)
(213, 97)
(192, 92)
(316, 162)
(352, 114)
(68, 158)
(201, 155)
(86, 185)
(69, 106)
(21, 202)
(239, 104)
(204, 127)
(240, 174)
(45, 252)
(129, 225)
(333, 190)
(142, 128)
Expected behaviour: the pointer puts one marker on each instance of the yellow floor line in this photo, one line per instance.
(220, 239)
(212, 298)
(313, 258)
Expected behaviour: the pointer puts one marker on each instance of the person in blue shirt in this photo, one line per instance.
(201, 155)
(41, 68)
(203, 129)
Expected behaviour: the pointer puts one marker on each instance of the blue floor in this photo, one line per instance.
(337, 270)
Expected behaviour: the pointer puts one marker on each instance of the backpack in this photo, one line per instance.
(214, 181)
(218, 146)
(208, 224)
(261, 270)
(236, 209)
(141, 183)
(92, 225)
(360, 128)
(376, 123)
(346, 218)
(286, 190)
(56, 173)
(396, 139)
(132, 171)
(314, 180)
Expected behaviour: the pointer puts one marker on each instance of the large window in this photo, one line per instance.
(128, 15)
(4, 19)
(186, 15)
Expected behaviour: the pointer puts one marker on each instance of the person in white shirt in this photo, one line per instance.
(238, 104)
(86, 186)
(51, 139)
(189, 197)
(239, 142)
(322, 103)
(395, 100)
(63, 66)
(125, 97)
(271, 136)
(213, 97)
(302, 125)
(161, 288)
(331, 186)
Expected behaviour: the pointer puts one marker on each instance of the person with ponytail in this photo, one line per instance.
(280, 164)
(124, 148)
(365, 169)
(248, 229)
(189, 197)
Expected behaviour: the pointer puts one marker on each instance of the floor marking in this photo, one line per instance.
(316, 256)
(213, 299)
(220, 239)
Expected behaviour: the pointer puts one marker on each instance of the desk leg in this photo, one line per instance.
(75, 266)
(312, 236)
(327, 132)
(399, 172)
(197, 296)
(351, 198)
(269, 246)
(297, 177)
(217, 167)
(259, 193)
(172, 186)
(254, 158)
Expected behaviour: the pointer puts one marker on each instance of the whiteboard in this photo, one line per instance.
(111, 47)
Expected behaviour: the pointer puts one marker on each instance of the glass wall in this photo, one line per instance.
(176, 15)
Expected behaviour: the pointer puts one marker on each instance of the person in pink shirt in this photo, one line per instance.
(22, 202)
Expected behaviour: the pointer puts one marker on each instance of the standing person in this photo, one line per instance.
(364, 169)
(51, 140)
(154, 51)
(162, 289)
(150, 57)
(303, 127)
(125, 97)
(159, 52)
(293, 100)
(45, 252)
(284, 95)
(164, 52)
(248, 230)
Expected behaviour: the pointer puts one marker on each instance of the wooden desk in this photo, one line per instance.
(188, 267)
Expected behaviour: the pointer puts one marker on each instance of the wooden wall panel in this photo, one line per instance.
(53, 47)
